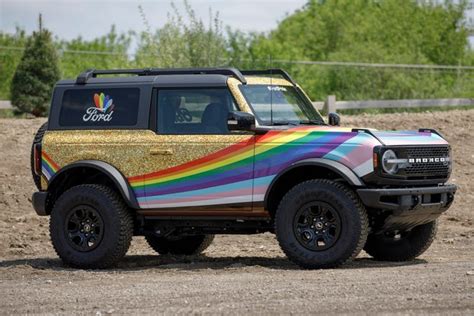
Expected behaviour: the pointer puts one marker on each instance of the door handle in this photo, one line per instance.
(161, 151)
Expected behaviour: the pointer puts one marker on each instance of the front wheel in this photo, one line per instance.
(321, 224)
(401, 246)
(187, 245)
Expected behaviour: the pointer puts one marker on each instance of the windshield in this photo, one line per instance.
(280, 105)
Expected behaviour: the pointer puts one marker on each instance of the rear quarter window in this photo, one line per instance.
(100, 107)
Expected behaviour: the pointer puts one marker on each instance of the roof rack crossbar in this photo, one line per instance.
(276, 71)
(92, 73)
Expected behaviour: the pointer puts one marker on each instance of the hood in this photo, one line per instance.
(387, 138)
(396, 138)
(351, 147)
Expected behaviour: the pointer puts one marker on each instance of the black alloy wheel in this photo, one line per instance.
(84, 228)
(321, 224)
(91, 226)
(317, 226)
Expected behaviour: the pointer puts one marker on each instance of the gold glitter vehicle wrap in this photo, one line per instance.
(132, 152)
(154, 164)
(135, 152)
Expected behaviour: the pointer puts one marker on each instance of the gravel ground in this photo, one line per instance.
(237, 274)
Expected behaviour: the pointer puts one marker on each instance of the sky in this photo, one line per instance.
(68, 19)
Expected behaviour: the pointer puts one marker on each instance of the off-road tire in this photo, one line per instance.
(189, 245)
(37, 140)
(408, 247)
(352, 215)
(117, 226)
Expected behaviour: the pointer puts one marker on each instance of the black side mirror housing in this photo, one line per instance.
(240, 121)
(334, 119)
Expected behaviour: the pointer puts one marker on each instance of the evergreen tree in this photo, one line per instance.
(36, 74)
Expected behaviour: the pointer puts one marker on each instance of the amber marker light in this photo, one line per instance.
(376, 160)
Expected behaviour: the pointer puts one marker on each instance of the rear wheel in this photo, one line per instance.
(90, 227)
(401, 246)
(321, 224)
(188, 245)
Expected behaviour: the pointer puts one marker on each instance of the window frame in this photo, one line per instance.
(260, 122)
(143, 107)
(154, 108)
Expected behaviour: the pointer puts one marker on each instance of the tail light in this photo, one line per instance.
(37, 158)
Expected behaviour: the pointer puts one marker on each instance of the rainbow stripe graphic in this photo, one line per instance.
(242, 172)
(48, 166)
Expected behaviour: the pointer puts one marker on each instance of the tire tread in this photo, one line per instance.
(359, 207)
(179, 247)
(414, 247)
(38, 139)
(125, 234)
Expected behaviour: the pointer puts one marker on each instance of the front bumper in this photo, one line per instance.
(405, 208)
(39, 203)
(403, 199)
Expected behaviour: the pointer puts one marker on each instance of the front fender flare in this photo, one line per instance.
(116, 176)
(345, 172)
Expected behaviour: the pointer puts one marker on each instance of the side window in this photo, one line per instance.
(100, 107)
(194, 111)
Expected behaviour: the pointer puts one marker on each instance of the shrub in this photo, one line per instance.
(36, 74)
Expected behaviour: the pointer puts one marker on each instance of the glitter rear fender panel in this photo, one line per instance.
(138, 154)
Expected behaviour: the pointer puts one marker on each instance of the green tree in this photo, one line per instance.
(372, 31)
(105, 52)
(36, 74)
(183, 44)
(11, 47)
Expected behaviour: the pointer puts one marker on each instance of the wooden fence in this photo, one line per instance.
(331, 105)
(5, 104)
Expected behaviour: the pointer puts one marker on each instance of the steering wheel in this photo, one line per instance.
(183, 115)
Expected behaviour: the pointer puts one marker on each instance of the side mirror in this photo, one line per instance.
(334, 119)
(240, 121)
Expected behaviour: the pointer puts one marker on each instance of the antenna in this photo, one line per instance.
(40, 22)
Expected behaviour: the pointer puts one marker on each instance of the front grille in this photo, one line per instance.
(427, 169)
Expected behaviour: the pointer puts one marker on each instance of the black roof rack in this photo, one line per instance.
(277, 71)
(93, 73)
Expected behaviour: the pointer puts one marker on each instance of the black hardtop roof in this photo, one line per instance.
(165, 80)
(169, 76)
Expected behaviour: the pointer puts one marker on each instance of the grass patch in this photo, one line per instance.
(11, 113)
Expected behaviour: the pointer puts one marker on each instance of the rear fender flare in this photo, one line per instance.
(110, 171)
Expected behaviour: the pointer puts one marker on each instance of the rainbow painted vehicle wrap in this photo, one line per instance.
(244, 171)
(48, 167)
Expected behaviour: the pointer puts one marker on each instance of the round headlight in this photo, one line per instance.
(387, 164)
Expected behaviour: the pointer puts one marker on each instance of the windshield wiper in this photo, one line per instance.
(282, 123)
(312, 122)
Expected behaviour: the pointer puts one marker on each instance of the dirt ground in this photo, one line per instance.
(237, 274)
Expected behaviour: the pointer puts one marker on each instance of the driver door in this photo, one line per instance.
(195, 165)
